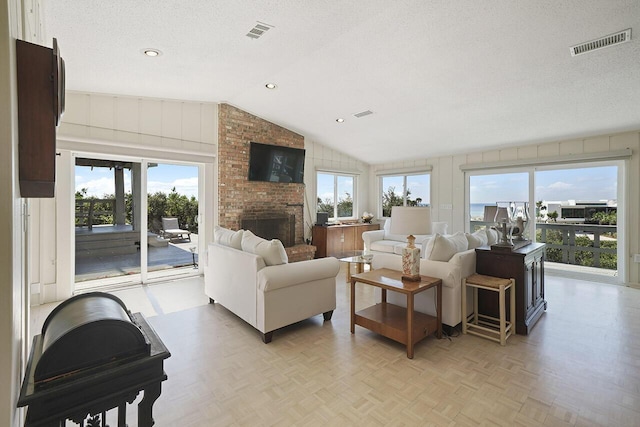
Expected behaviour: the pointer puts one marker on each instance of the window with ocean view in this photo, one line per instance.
(486, 191)
(574, 210)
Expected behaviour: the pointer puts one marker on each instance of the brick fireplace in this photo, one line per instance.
(242, 200)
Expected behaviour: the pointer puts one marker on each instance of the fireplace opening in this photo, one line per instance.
(282, 228)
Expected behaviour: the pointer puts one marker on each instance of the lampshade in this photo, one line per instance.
(502, 214)
(410, 220)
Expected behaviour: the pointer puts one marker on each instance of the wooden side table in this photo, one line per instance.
(403, 325)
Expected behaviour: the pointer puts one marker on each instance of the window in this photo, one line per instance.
(573, 209)
(404, 190)
(336, 194)
(485, 191)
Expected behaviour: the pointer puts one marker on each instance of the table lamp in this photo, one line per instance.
(410, 221)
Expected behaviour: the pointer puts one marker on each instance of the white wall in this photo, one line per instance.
(320, 157)
(104, 124)
(447, 180)
(18, 19)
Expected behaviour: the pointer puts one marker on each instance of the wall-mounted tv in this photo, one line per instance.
(274, 163)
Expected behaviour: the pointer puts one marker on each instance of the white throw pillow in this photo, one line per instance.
(441, 248)
(271, 251)
(227, 237)
(474, 241)
(493, 236)
(481, 235)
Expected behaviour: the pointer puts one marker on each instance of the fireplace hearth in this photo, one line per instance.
(281, 227)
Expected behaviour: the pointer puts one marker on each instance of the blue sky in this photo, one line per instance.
(581, 184)
(418, 185)
(163, 177)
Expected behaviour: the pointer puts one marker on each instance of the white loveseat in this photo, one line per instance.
(382, 241)
(252, 278)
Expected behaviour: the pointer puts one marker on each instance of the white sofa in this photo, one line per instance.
(450, 258)
(251, 277)
(461, 265)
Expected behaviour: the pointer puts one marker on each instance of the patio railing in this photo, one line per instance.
(86, 212)
(568, 233)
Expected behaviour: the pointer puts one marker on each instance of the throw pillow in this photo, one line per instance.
(493, 236)
(441, 248)
(474, 240)
(271, 251)
(227, 237)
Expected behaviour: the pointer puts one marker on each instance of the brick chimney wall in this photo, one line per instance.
(237, 196)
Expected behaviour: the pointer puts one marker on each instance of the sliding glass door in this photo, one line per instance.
(135, 221)
(574, 209)
(107, 219)
(172, 219)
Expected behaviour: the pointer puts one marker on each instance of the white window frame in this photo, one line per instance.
(354, 195)
(404, 175)
(531, 168)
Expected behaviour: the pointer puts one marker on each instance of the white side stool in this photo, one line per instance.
(495, 329)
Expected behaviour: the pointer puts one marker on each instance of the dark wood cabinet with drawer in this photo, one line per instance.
(526, 266)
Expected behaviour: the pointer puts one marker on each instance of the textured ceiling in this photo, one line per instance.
(441, 77)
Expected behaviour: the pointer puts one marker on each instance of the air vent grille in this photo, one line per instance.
(610, 40)
(258, 30)
(363, 113)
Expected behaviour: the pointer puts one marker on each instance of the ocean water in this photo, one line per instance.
(477, 209)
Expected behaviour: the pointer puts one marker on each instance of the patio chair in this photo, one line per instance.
(171, 229)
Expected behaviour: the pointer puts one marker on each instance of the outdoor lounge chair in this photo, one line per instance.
(171, 229)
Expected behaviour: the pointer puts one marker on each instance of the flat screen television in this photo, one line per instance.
(274, 163)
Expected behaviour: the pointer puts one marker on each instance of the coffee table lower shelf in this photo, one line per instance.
(390, 320)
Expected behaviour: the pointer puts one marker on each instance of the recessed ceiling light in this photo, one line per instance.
(341, 120)
(151, 52)
(270, 86)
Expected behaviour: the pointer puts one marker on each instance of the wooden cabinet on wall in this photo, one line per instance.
(526, 266)
(334, 240)
(40, 82)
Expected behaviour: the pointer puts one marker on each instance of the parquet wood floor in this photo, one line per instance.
(579, 367)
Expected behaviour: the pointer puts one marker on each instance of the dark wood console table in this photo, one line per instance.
(526, 266)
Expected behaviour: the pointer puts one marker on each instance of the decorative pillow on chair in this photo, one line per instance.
(227, 237)
(271, 251)
(441, 248)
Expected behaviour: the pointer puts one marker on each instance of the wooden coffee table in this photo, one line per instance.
(403, 325)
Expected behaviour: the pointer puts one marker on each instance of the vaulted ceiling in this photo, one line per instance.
(440, 77)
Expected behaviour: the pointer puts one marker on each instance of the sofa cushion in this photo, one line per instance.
(384, 245)
(226, 237)
(477, 239)
(271, 251)
(493, 236)
(442, 248)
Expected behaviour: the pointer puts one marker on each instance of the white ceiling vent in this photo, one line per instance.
(606, 41)
(363, 113)
(258, 30)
